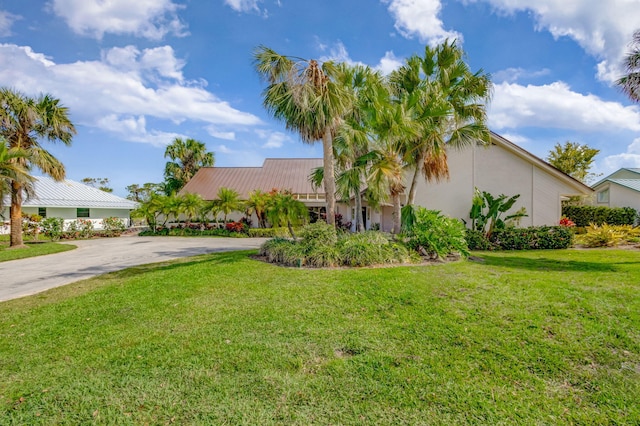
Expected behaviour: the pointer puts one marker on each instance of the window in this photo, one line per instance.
(82, 212)
(603, 196)
(42, 211)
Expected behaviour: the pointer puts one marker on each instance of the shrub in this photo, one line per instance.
(236, 227)
(476, 240)
(113, 226)
(52, 227)
(85, 226)
(370, 248)
(585, 215)
(318, 234)
(435, 235)
(533, 238)
(31, 224)
(608, 235)
(269, 232)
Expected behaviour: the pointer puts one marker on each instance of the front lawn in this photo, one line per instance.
(32, 249)
(548, 337)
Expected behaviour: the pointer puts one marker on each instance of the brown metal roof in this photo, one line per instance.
(278, 173)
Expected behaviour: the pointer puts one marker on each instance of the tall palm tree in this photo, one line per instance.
(187, 157)
(11, 170)
(24, 121)
(630, 83)
(305, 96)
(449, 105)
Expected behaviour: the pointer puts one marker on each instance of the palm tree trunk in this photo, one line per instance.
(411, 199)
(329, 177)
(293, 235)
(395, 196)
(359, 224)
(16, 215)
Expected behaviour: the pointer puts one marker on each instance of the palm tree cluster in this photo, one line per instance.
(187, 157)
(277, 208)
(24, 123)
(376, 129)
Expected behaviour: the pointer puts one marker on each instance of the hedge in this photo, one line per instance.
(584, 215)
(532, 238)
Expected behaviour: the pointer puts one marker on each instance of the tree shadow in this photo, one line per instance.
(545, 264)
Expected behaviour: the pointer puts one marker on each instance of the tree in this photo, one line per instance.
(227, 201)
(143, 193)
(101, 183)
(630, 83)
(190, 205)
(187, 157)
(24, 121)
(448, 103)
(573, 159)
(257, 203)
(305, 96)
(11, 170)
(284, 210)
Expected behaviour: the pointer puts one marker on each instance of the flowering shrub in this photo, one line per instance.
(235, 227)
(52, 227)
(85, 226)
(113, 226)
(566, 222)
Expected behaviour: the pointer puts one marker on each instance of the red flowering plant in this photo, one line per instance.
(566, 222)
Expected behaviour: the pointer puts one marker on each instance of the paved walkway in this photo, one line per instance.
(23, 277)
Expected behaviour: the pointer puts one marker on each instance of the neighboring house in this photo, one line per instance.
(501, 168)
(619, 189)
(71, 200)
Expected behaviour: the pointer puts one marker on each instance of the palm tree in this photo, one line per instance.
(23, 122)
(227, 201)
(187, 157)
(190, 205)
(11, 170)
(257, 203)
(305, 96)
(630, 83)
(284, 210)
(448, 103)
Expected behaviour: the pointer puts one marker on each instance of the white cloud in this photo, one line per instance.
(217, 133)
(125, 83)
(134, 129)
(601, 28)
(515, 138)
(420, 18)
(6, 21)
(512, 75)
(152, 19)
(556, 105)
(273, 139)
(629, 159)
(243, 5)
(388, 63)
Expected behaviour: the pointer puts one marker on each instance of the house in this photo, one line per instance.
(500, 168)
(71, 200)
(619, 189)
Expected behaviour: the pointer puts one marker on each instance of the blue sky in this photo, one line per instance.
(136, 74)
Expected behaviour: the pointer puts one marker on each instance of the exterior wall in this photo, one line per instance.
(69, 214)
(619, 196)
(495, 170)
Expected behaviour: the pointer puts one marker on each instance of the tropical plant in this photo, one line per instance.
(630, 83)
(447, 101)
(433, 234)
(31, 225)
(573, 159)
(608, 235)
(306, 97)
(227, 201)
(284, 210)
(487, 210)
(187, 157)
(113, 226)
(257, 203)
(191, 205)
(24, 122)
(151, 209)
(12, 170)
(52, 227)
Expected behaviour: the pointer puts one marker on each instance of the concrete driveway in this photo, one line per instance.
(23, 277)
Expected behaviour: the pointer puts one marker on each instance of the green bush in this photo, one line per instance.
(268, 232)
(533, 238)
(113, 226)
(477, 240)
(52, 227)
(435, 235)
(319, 234)
(608, 235)
(583, 216)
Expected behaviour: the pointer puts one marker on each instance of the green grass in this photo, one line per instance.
(32, 249)
(548, 337)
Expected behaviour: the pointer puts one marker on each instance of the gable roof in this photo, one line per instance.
(529, 157)
(612, 178)
(275, 173)
(68, 193)
(633, 184)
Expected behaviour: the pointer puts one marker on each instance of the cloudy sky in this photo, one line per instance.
(136, 74)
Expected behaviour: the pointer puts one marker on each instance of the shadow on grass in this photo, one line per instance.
(213, 258)
(544, 264)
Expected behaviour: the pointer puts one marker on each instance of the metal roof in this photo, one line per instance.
(67, 193)
(275, 173)
(628, 183)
